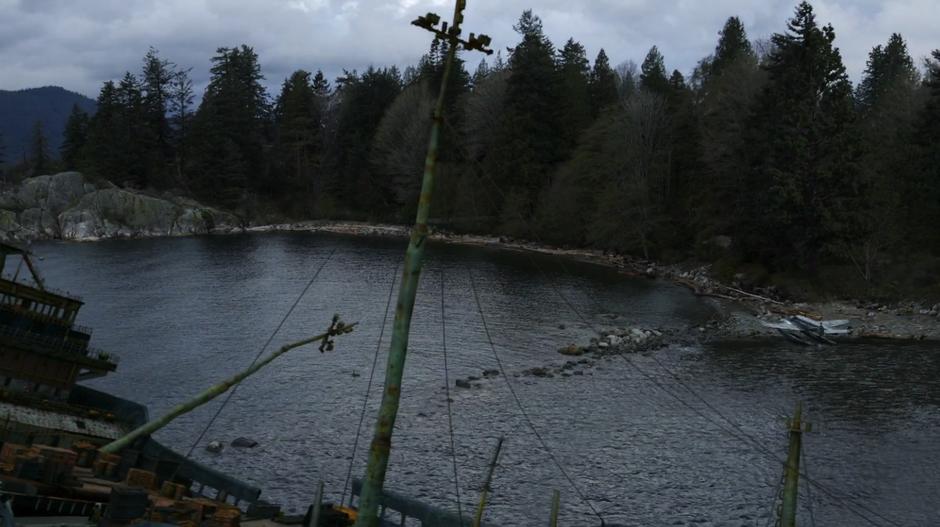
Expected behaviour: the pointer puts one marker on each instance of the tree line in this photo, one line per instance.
(765, 157)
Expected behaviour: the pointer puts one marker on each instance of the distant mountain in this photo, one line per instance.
(20, 109)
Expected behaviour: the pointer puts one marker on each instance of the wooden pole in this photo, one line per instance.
(485, 491)
(381, 444)
(792, 471)
(338, 328)
(556, 504)
(317, 504)
(388, 411)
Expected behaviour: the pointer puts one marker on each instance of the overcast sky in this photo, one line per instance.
(78, 44)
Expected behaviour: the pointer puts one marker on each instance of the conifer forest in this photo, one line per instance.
(765, 160)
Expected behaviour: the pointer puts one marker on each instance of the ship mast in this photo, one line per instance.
(388, 411)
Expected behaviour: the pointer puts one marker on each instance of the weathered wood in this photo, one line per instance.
(484, 492)
(556, 504)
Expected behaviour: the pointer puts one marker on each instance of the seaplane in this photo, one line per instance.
(806, 331)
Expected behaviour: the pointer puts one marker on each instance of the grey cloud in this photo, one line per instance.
(80, 44)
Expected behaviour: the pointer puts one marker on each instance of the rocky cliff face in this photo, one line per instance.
(70, 207)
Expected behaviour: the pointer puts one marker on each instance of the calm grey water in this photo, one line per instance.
(183, 313)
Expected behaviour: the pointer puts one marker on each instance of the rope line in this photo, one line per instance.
(774, 517)
(365, 400)
(450, 415)
(522, 409)
(267, 343)
(747, 438)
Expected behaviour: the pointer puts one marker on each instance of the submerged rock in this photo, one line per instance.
(244, 442)
(571, 350)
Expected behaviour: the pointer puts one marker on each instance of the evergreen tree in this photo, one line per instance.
(101, 153)
(603, 84)
(74, 138)
(574, 68)
(528, 143)
(499, 64)
(725, 95)
(925, 186)
(886, 98)
(653, 73)
(733, 46)
(230, 129)
(297, 121)
(157, 85)
(483, 69)
(363, 101)
(321, 86)
(39, 156)
(179, 105)
(138, 158)
(888, 68)
(804, 150)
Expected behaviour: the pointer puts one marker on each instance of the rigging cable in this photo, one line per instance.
(740, 434)
(522, 409)
(744, 436)
(450, 415)
(747, 438)
(267, 343)
(365, 400)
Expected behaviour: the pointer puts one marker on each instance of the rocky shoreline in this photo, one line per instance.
(740, 311)
(68, 206)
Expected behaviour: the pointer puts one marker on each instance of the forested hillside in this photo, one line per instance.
(765, 160)
(20, 110)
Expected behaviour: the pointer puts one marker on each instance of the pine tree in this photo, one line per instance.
(733, 46)
(156, 82)
(101, 152)
(603, 84)
(138, 157)
(925, 186)
(179, 105)
(483, 69)
(653, 73)
(364, 100)
(321, 86)
(528, 145)
(574, 68)
(230, 130)
(725, 95)
(297, 121)
(39, 156)
(74, 138)
(890, 67)
(887, 103)
(804, 150)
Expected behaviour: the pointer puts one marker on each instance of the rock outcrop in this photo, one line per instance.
(68, 206)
